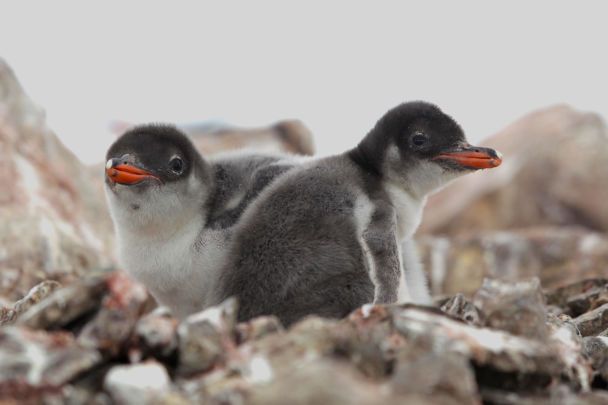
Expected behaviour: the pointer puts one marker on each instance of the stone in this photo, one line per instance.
(323, 382)
(596, 349)
(289, 136)
(34, 363)
(112, 326)
(518, 308)
(257, 328)
(500, 359)
(137, 383)
(557, 395)
(557, 256)
(593, 322)
(206, 338)
(554, 162)
(156, 335)
(435, 373)
(66, 304)
(53, 218)
(565, 292)
(35, 295)
(461, 308)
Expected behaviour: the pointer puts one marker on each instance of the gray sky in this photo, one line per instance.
(336, 66)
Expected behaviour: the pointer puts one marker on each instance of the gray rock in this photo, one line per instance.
(35, 363)
(460, 307)
(596, 349)
(66, 304)
(557, 256)
(111, 328)
(156, 335)
(137, 384)
(53, 217)
(518, 308)
(566, 295)
(435, 374)
(593, 322)
(496, 354)
(205, 337)
(257, 328)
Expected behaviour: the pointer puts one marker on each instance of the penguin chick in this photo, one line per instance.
(172, 210)
(325, 237)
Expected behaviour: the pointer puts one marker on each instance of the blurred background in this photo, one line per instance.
(526, 78)
(337, 67)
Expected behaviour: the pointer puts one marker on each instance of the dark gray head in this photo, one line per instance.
(417, 143)
(154, 171)
(150, 154)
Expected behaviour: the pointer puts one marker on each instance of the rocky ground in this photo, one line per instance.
(517, 258)
(96, 341)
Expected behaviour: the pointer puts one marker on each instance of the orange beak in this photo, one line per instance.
(126, 173)
(473, 157)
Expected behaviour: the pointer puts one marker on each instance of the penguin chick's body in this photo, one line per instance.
(173, 210)
(325, 237)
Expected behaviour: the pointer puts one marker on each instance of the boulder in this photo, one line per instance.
(53, 218)
(290, 136)
(556, 255)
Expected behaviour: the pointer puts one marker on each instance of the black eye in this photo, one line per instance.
(177, 165)
(419, 139)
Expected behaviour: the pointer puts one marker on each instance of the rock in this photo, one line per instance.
(137, 384)
(112, 326)
(34, 363)
(518, 308)
(594, 322)
(557, 256)
(206, 337)
(562, 294)
(290, 136)
(596, 349)
(66, 304)
(53, 218)
(447, 375)
(554, 161)
(257, 328)
(156, 335)
(501, 359)
(557, 395)
(35, 295)
(324, 382)
(459, 307)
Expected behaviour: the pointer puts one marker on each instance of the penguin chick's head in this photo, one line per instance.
(153, 172)
(417, 142)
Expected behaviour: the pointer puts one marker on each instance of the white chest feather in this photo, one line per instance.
(179, 269)
(408, 210)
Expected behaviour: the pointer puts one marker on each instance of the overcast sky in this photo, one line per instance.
(336, 65)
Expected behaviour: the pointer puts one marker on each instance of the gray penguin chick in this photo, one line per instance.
(325, 237)
(173, 210)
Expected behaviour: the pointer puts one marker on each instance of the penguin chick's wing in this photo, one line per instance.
(380, 238)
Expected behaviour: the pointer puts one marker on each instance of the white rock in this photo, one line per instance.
(137, 384)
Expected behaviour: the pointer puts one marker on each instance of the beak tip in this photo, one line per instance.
(109, 164)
